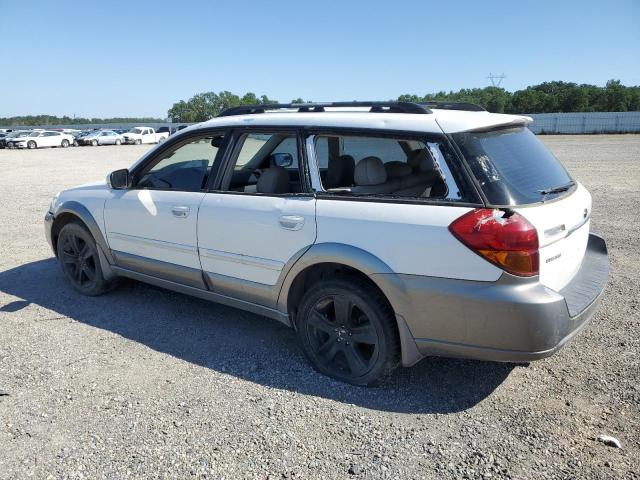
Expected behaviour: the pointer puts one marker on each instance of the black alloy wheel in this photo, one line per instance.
(348, 332)
(78, 256)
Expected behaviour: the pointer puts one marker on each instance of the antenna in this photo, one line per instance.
(496, 80)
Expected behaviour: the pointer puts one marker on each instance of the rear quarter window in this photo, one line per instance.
(512, 166)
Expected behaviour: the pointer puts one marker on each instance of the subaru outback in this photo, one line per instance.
(382, 232)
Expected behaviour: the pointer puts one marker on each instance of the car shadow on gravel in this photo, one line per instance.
(242, 344)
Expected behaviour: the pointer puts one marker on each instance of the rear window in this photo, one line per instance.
(513, 167)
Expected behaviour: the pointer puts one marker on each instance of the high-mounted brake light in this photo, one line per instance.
(506, 239)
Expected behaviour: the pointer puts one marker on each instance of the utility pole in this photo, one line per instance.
(496, 80)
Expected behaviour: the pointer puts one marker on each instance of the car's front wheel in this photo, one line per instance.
(64, 143)
(118, 142)
(138, 141)
(79, 259)
(94, 143)
(348, 331)
(31, 144)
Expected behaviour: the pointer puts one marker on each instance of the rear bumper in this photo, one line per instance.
(511, 320)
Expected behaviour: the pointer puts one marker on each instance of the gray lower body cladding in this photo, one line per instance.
(513, 319)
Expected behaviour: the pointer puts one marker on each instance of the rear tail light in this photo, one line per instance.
(506, 239)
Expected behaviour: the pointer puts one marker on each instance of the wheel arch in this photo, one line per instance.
(341, 259)
(70, 211)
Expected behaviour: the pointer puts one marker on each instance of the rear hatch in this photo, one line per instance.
(516, 171)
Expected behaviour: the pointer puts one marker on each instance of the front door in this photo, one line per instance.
(151, 228)
(258, 220)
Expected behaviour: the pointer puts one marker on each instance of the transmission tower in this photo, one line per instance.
(496, 80)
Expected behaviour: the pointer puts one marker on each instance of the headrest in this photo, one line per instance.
(274, 180)
(421, 161)
(397, 169)
(370, 171)
(340, 172)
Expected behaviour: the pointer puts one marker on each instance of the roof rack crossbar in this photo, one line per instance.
(387, 107)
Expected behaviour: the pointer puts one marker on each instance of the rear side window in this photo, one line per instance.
(384, 166)
(512, 166)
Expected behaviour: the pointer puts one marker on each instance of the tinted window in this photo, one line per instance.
(185, 168)
(512, 166)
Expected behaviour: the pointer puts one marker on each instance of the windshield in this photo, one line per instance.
(135, 130)
(513, 167)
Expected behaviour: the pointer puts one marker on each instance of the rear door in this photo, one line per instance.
(258, 219)
(515, 170)
(151, 228)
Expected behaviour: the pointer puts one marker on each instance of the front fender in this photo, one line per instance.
(76, 208)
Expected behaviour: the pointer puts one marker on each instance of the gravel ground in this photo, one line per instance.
(146, 383)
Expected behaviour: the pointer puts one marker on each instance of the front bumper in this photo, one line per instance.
(511, 320)
(48, 225)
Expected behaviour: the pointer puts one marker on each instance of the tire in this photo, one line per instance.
(64, 143)
(138, 141)
(31, 145)
(94, 143)
(75, 143)
(361, 346)
(118, 142)
(79, 260)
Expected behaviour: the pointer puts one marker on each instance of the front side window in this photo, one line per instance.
(185, 168)
(513, 167)
(387, 166)
(265, 163)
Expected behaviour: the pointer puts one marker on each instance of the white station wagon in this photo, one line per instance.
(382, 232)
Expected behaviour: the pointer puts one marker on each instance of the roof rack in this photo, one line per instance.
(375, 107)
(470, 107)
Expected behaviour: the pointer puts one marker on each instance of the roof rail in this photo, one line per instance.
(471, 107)
(375, 107)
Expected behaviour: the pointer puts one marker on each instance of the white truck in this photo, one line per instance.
(138, 135)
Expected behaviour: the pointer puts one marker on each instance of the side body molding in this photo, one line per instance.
(378, 271)
(82, 212)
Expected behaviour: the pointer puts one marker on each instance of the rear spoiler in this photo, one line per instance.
(518, 121)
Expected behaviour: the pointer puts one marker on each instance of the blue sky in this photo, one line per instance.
(135, 58)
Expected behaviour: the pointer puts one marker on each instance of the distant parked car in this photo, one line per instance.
(15, 133)
(138, 135)
(101, 137)
(41, 138)
(6, 130)
(120, 131)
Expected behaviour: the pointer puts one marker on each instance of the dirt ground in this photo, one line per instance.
(145, 383)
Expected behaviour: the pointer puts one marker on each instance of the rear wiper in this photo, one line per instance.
(558, 189)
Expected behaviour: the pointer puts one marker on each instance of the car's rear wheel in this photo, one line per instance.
(118, 142)
(94, 143)
(348, 331)
(64, 143)
(79, 259)
(31, 144)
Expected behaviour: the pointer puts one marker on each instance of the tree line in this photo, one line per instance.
(547, 97)
(36, 120)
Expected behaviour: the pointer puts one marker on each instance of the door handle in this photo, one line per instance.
(291, 222)
(180, 212)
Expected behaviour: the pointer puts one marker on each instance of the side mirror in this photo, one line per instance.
(119, 179)
(281, 159)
